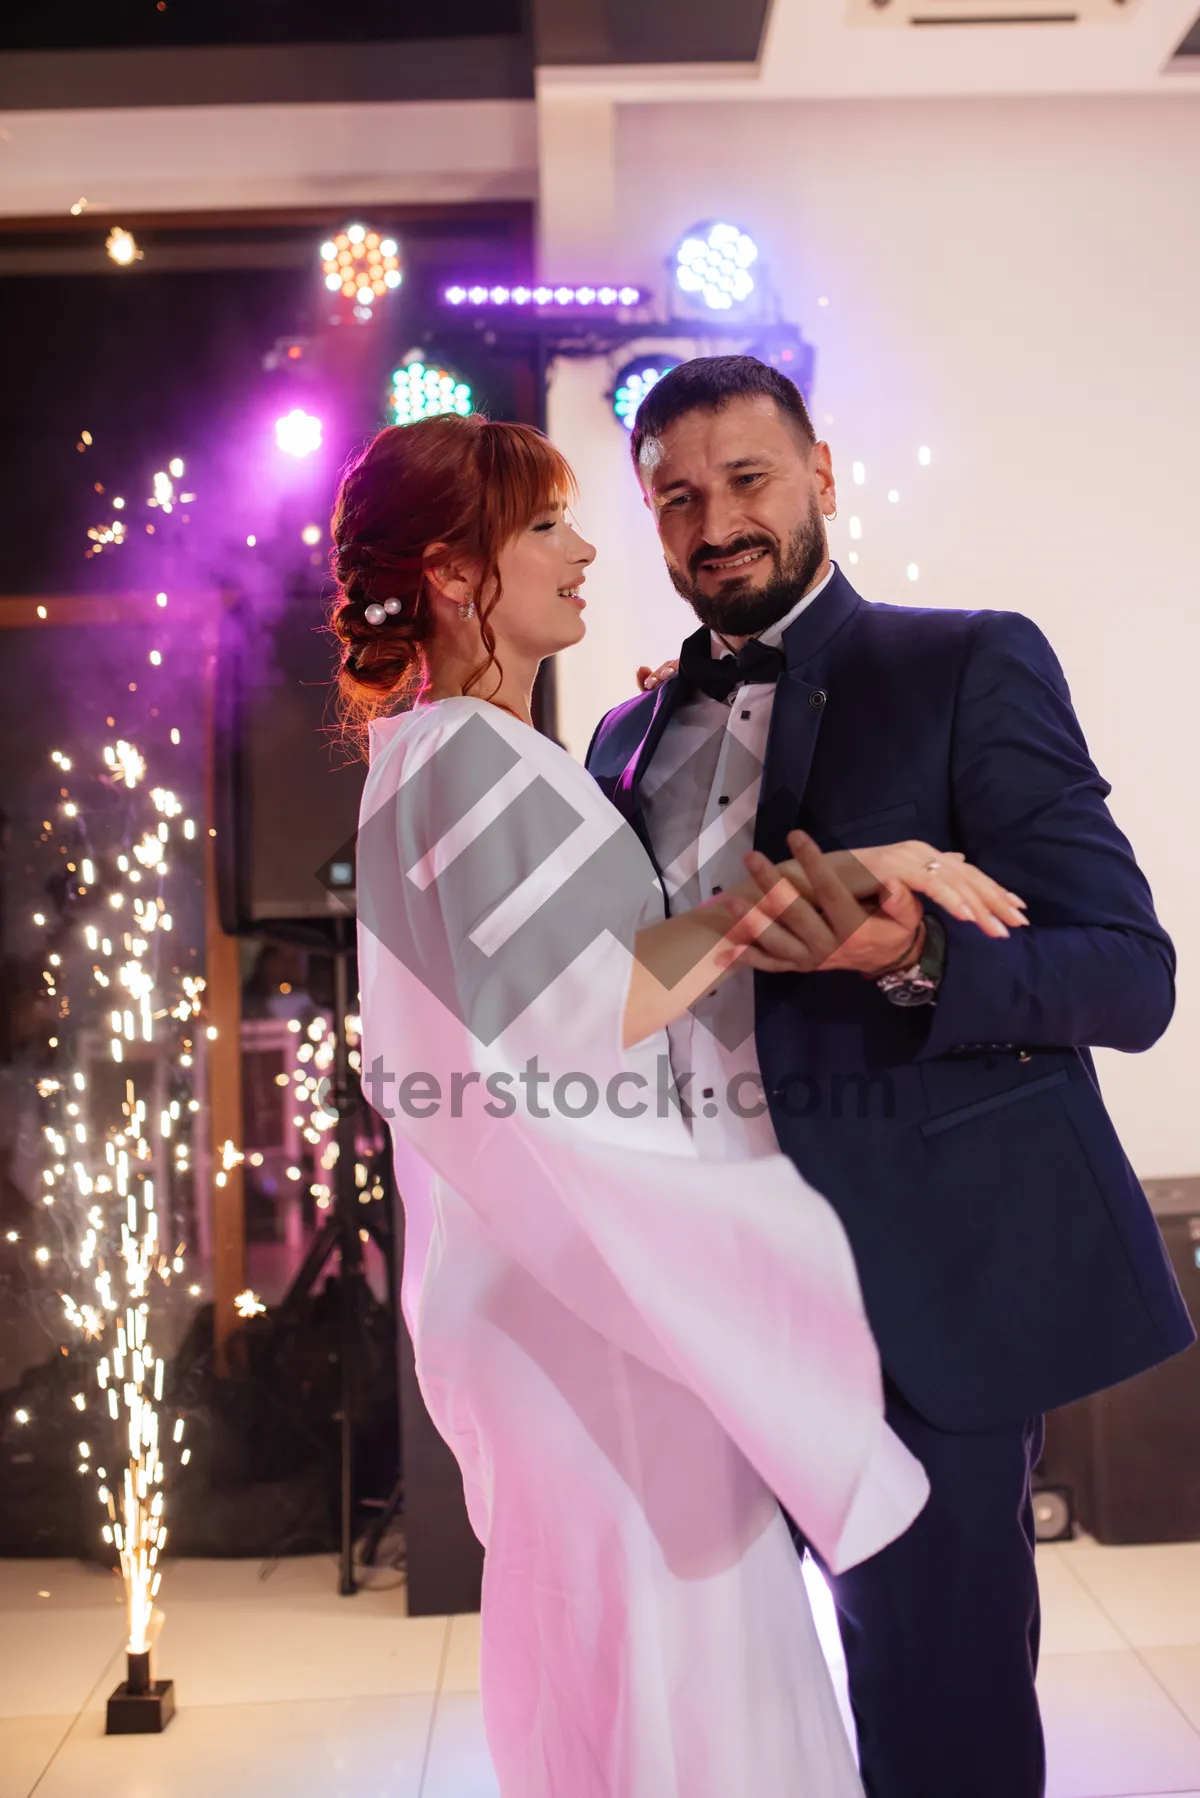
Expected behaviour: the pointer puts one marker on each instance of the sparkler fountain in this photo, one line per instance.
(106, 1200)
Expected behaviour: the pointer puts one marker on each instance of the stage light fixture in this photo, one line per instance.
(783, 348)
(712, 266)
(361, 265)
(423, 390)
(298, 433)
(585, 298)
(634, 382)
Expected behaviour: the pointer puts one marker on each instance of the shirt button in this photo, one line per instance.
(745, 714)
(724, 799)
(716, 889)
(818, 698)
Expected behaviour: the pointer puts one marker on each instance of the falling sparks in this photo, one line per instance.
(103, 1170)
(121, 245)
(124, 760)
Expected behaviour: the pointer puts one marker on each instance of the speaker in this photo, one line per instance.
(1130, 1456)
(287, 787)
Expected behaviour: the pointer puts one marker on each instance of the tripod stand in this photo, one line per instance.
(340, 1234)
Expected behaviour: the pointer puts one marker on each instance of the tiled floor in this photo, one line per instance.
(286, 1690)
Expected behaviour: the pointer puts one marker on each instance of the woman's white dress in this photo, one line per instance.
(633, 1353)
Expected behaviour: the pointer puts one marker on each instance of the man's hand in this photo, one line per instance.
(859, 911)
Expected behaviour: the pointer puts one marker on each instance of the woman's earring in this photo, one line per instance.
(466, 609)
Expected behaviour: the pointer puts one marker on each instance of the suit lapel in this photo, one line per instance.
(625, 793)
(796, 716)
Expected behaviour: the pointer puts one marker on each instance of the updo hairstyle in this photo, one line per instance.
(466, 483)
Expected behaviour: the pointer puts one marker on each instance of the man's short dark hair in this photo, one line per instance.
(707, 383)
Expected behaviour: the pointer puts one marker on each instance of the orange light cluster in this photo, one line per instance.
(361, 264)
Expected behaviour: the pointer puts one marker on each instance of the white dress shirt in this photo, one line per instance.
(699, 798)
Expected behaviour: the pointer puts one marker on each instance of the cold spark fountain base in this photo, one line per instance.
(140, 1706)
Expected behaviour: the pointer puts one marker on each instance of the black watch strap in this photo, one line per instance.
(918, 984)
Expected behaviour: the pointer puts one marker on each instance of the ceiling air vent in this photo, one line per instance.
(965, 14)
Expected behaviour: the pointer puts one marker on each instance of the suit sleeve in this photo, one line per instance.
(1094, 967)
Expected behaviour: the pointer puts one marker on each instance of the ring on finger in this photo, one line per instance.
(933, 866)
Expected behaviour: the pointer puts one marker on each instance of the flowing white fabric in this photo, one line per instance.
(633, 1353)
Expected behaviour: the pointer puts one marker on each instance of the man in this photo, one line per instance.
(934, 1084)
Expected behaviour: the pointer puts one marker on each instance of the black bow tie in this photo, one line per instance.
(701, 671)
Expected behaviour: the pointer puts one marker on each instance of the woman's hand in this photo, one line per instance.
(859, 910)
(946, 877)
(649, 678)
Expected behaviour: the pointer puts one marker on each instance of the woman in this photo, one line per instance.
(633, 1354)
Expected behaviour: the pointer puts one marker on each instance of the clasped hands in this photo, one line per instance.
(856, 910)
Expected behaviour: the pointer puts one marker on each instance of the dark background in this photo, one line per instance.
(162, 364)
(86, 24)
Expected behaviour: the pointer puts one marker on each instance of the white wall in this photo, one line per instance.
(1016, 284)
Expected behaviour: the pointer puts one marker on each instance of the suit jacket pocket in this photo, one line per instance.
(948, 1120)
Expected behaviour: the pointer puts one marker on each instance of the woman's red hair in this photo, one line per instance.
(467, 483)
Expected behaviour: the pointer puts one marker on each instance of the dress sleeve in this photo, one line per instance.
(500, 895)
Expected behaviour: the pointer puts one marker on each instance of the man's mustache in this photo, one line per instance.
(739, 547)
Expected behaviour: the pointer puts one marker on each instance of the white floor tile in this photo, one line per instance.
(52, 1655)
(461, 1673)
(229, 1654)
(251, 1581)
(360, 1748)
(1177, 1670)
(26, 1747)
(80, 1585)
(1151, 1594)
(459, 1766)
(1111, 1730)
(1072, 1620)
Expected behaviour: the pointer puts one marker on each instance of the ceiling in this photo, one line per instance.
(841, 49)
(238, 52)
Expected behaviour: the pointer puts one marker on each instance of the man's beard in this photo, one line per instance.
(742, 610)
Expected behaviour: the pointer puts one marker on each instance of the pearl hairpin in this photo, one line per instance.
(376, 613)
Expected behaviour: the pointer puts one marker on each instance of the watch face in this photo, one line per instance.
(911, 986)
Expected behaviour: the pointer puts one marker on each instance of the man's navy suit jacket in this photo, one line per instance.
(1008, 1257)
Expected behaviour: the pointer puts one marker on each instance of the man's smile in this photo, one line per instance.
(744, 559)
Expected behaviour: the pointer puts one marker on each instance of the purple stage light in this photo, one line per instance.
(298, 433)
(585, 298)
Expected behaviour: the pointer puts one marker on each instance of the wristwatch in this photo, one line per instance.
(918, 984)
